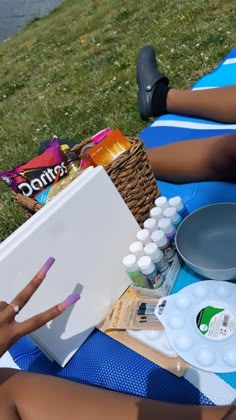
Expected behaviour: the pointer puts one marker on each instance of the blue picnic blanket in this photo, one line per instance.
(102, 361)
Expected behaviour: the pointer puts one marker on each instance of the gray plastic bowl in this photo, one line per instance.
(206, 240)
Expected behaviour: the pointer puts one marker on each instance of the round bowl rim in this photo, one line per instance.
(218, 270)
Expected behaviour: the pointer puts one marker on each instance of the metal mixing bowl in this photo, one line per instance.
(206, 240)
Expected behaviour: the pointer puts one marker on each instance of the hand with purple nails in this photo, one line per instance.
(10, 329)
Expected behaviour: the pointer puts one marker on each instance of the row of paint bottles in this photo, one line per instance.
(144, 272)
(174, 202)
(159, 238)
(133, 271)
(154, 278)
(147, 265)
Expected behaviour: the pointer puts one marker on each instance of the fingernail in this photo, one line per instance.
(45, 268)
(68, 302)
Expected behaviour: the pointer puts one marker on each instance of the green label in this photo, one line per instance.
(215, 323)
(138, 279)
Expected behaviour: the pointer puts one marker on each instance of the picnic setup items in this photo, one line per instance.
(150, 269)
(124, 159)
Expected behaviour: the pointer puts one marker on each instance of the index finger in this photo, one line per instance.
(24, 295)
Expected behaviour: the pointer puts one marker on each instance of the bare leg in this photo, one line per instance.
(214, 104)
(213, 158)
(25, 396)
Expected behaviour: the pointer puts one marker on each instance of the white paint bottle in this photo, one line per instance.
(157, 257)
(175, 218)
(144, 236)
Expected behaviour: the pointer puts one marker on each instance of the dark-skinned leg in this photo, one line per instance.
(213, 158)
(215, 104)
(27, 396)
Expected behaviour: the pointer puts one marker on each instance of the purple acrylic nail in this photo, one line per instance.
(68, 302)
(46, 267)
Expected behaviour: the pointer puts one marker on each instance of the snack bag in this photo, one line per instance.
(34, 176)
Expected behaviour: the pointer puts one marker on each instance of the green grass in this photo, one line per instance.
(73, 72)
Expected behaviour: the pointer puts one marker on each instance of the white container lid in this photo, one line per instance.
(161, 202)
(156, 212)
(146, 265)
(153, 251)
(176, 202)
(130, 263)
(165, 225)
(159, 238)
(150, 224)
(136, 248)
(143, 236)
(171, 213)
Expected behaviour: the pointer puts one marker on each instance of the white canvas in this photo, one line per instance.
(88, 229)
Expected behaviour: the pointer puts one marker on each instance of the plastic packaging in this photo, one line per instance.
(175, 218)
(179, 206)
(136, 248)
(161, 202)
(109, 149)
(98, 137)
(133, 271)
(37, 174)
(150, 224)
(160, 239)
(144, 236)
(157, 257)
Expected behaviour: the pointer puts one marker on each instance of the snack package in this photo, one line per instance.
(34, 176)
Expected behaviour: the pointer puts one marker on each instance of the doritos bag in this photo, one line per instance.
(34, 176)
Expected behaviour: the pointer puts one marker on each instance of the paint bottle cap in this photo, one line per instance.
(146, 265)
(136, 248)
(156, 213)
(159, 238)
(176, 202)
(171, 213)
(166, 226)
(150, 224)
(143, 236)
(161, 202)
(153, 251)
(130, 263)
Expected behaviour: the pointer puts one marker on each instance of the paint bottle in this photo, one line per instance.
(179, 206)
(168, 229)
(150, 224)
(161, 202)
(133, 271)
(148, 268)
(156, 213)
(136, 248)
(157, 258)
(175, 218)
(160, 239)
(144, 236)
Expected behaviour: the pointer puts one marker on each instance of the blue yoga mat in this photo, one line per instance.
(102, 361)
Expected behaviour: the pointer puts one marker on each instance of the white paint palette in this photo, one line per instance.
(200, 324)
(154, 338)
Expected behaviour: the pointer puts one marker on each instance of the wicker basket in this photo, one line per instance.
(132, 175)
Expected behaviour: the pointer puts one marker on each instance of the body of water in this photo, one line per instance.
(15, 14)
